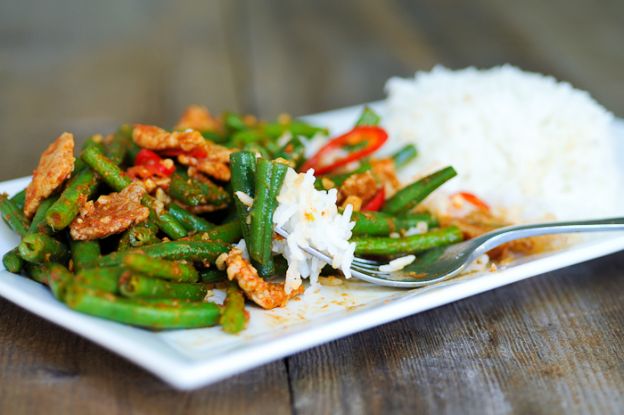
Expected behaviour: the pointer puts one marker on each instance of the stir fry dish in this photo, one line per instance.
(142, 225)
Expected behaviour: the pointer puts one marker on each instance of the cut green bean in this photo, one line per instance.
(206, 251)
(191, 222)
(138, 286)
(169, 225)
(12, 261)
(13, 216)
(368, 118)
(233, 316)
(38, 223)
(84, 254)
(100, 278)
(78, 190)
(404, 155)
(193, 192)
(293, 151)
(243, 166)
(117, 147)
(37, 272)
(161, 268)
(141, 234)
(212, 275)
(40, 248)
(19, 199)
(59, 279)
(383, 224)
(143, 314)
(409, 197)
(228, 232)
(409, 244)
(106, 168)
(269, 179)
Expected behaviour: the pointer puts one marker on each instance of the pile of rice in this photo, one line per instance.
(311, 218)
(531, 147)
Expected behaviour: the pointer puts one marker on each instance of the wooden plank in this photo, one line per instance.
(46, 369)
(544, 346)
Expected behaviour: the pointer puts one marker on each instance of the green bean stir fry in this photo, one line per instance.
(139, 226)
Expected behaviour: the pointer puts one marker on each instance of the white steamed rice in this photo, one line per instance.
(311, 218)
(528, 145)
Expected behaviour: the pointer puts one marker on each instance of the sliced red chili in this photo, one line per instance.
(197, 152)
(152, 162)
(377, 201)
(373, 136)
(474, 200)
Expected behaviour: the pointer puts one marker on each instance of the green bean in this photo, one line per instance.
(141, 234)
(191, 223)
(39, 248)
(404, 155)
(135, 312)
(212, 275)
(233, 315)
(117, 147)
(193, 192)
(78, 190)
(234, 122)
(293, 151)
(206, 251)
(269, 178)
(168, 224)
(58, 280)
(243, 166)
(294, 127)
(228, 232)
(84, 254)
(12, 261)
(13, 216)
(409, 244)
(131, 153)
(38, 223)
(138, 286)
(19, 199)
(257, 148)
(161, 268)
(37, 272)
(106, 168)
(407, 198)
(104, 279)
(368, 118)
(380, 224)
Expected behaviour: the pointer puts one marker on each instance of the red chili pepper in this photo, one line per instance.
(373, 136)
(377, 201)
(153, 162)
(474, 200)
(197, 152)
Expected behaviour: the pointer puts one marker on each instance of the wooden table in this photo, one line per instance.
(552, 344)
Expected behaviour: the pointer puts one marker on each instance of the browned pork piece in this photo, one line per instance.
(55, 166)
(267, 295)
(196, 117)
(110, 214)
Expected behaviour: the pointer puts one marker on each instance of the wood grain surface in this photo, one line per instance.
(552, 344)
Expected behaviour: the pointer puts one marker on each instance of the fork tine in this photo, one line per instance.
(365, 261)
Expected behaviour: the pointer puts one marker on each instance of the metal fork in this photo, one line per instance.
(440, 264)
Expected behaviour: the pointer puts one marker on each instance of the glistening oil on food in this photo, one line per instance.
(169, 228)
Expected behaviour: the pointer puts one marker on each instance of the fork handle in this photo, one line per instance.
(500, 236)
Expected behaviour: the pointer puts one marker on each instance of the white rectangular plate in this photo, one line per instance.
(189, 359)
